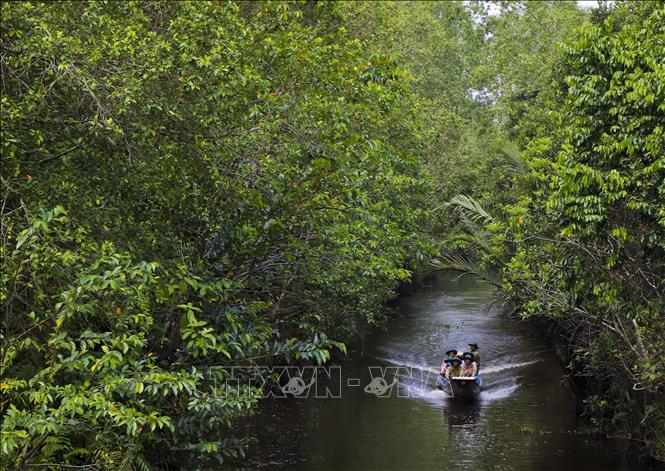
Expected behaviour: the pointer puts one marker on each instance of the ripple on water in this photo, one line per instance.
(521, 420)
(422, 386)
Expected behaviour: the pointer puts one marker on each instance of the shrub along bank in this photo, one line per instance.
(186, 186)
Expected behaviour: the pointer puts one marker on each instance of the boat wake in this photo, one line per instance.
(407, 364)
(422, 386)
(485, 370)
(506, 366)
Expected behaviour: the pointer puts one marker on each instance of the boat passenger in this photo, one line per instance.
(440, 379)
(446, 363)
(455, 368)
(449, 354)
(469, 368)
(476, 354)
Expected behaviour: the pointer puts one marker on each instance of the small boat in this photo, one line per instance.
(465, 386)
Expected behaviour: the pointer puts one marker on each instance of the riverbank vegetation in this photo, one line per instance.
(578, 240)
(587, 248)
(190, 185)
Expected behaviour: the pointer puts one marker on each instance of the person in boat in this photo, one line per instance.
(452, 353)
(446, 361)
(476, 354)
(440, 379)
(455, 368)
(469, 367)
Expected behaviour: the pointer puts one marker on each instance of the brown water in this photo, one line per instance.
(524, 418)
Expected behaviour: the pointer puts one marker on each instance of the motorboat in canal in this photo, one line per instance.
(465, 386)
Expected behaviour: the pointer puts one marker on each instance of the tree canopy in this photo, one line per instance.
(192, 185)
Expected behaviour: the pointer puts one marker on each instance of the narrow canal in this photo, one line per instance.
(524, 419)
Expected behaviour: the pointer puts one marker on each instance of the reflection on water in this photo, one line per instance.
(522, 420)
(462, 418)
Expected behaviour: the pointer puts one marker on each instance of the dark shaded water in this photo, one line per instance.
(523, 420)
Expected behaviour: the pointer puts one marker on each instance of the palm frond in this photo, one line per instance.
(467, 266)
(469, 208)
(511, 154)
(479, 240)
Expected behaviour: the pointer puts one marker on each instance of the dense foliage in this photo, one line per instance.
(579, 239)
(588, 245)
(185, 186)
(192, 185)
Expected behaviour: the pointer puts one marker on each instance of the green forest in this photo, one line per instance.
(189, 185)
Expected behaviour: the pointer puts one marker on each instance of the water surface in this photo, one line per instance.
(524, 419)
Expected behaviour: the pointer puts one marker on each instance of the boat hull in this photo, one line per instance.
(465, 387)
